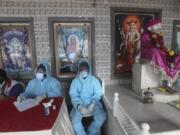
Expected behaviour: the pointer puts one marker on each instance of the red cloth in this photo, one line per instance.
(30, 120)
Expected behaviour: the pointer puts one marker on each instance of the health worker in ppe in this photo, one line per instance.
(9, 87)
(43, 85)
(85, 93)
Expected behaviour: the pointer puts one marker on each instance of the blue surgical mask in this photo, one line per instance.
(39, 76)
(84, 74)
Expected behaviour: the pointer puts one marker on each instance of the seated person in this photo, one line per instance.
(72, 50)
(9, 87)
(85, 93)
(152, 48)
(42, 86)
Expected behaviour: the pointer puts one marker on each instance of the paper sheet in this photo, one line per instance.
(25, 104)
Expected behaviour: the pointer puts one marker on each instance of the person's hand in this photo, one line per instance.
(83, 110)
(91, 108)
(38, 99)
(20, 99)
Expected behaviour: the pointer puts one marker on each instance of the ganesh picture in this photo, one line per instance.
(127, 29)
(72, 41)
(15, 46)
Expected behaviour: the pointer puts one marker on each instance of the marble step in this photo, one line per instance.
(164, 97)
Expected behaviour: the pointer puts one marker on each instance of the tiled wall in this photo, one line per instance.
(40, 10)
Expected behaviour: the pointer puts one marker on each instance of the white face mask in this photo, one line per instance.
(39, 76)
(84, 74)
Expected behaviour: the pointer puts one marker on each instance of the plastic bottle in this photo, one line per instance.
(46, 111)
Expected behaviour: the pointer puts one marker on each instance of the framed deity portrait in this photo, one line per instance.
(72, 40)
(176, 36)
(127, 26)
(17, 51)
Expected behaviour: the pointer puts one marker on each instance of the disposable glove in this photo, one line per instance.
(38, 99)
(91, 108)
(20, 99)
(83, 110)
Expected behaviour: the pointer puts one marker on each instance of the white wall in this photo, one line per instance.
(40, 10)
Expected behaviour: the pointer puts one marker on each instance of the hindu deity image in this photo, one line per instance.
(153, 49)
(15, 49)
(130, 32)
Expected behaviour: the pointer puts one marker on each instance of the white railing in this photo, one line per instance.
(146, 131)
(118, 117)
(112, 126)
(129, 126)
(120, 123)
(123, 118)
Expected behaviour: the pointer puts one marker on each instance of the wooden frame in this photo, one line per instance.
(17, 49)
(176, 36)
(124, 50)
(71, 39)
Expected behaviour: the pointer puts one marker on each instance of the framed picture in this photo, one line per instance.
(72, 40)
(176, 36)
(16, 45)
(127, 26)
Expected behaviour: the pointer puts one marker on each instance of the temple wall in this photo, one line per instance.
(40, 10)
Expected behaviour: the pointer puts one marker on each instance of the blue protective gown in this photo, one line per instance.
(85, 92)
(49, 86)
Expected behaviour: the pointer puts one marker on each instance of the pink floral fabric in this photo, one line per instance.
(158, 57)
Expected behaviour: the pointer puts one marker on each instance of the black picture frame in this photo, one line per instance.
(176, 36)
(119, 21)
(60, 30)
(17, 47)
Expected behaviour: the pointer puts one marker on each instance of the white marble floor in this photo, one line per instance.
(160, 116)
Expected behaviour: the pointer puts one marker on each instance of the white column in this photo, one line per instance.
(103, 87)
(145, 129)
(115, 104)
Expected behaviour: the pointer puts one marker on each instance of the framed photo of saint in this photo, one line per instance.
(71, 41)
